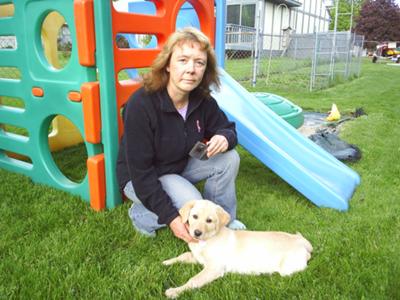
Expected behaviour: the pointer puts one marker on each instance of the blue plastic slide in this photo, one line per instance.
(312, 171)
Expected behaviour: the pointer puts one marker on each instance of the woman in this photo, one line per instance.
(162, 122)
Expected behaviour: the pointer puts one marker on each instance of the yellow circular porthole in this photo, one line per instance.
(67, 148)
(56, 40)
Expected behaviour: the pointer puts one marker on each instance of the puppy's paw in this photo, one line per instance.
(172, 293)
(168, 262)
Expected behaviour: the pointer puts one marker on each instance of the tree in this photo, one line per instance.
(344, 14)
(379, 20)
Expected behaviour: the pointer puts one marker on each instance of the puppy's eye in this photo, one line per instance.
(195, 217)
(208, 220)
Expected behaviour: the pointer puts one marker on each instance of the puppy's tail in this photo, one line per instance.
(305, 242)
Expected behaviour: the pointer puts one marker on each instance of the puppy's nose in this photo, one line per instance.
(197, 233)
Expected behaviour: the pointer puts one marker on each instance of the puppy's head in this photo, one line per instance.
(204, 217)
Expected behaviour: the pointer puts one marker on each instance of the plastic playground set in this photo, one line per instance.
(87, 93)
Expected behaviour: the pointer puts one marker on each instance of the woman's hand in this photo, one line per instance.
(180, 231)
(217, 144)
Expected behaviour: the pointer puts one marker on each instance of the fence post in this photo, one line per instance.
(353, 45)
(314, 62)
(348, 58)
(359, 57)
(256, 59)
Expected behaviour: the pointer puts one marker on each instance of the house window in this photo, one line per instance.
(241, 14)
(233, 14)
(248, 15)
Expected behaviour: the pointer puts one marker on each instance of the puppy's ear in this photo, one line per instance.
(223, 216)
(185, 210)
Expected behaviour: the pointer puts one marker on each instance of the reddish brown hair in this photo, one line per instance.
(157, 78)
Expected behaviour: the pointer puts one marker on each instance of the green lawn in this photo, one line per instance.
(286, 73)
(53, 246)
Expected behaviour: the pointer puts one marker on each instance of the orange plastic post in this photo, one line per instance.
(86, 39)
(205, 12)
(125, 88)
(75, 96)
(97, 182)
(91, 111)
(37, 91)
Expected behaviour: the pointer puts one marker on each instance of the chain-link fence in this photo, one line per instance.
(285, 60)
(239, 51)
(8, 72)
(8, 42)
(337, 57)
(300, 61)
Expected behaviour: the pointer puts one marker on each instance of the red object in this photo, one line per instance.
(75, 96)
(91, 111)
(84, 23)
(97, 182)
(37, 92)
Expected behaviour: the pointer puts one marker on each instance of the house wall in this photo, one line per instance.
(311, 16)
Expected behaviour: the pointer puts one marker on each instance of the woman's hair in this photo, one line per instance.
(157, 78)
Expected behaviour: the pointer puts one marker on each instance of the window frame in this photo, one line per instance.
(241, 4)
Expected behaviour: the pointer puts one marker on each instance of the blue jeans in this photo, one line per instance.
(220, 173)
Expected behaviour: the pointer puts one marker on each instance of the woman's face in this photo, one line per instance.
(186, 68)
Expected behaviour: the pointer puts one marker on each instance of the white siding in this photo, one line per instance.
(312, 16)
(268, 18)
(308, 18)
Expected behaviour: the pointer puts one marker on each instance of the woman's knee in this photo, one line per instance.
(129, 192)
(229, 159)
(234, 157)
(179, 189)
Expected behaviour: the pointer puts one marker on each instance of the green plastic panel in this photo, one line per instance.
(38, 112)
(109, 111)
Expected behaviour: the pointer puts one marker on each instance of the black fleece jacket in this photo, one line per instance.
(157, 140)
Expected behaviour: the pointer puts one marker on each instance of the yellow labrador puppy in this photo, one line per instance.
(222, 250)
